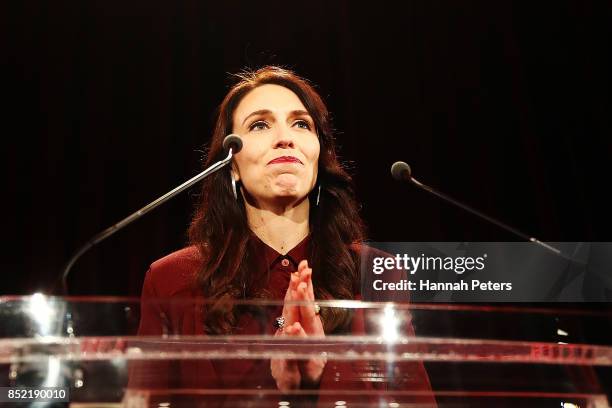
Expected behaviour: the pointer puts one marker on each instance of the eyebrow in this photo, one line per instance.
(298, 112)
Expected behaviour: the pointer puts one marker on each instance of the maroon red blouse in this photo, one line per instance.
(170, 304)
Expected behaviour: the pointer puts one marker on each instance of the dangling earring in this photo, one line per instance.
(318, 195)
(234, 187)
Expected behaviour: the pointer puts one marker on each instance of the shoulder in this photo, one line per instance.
(174, 274)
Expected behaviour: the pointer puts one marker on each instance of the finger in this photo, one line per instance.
(307, 278)
(303, 292)
(293, 281)
(296, 330)
(303, 265)
(310, 320)
(311, 285)
(291, 312)
(294, 307)
(302, 270)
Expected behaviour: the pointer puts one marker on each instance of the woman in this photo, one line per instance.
(281, 223)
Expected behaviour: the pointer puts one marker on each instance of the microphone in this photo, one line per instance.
(231, 143)
(401, 171)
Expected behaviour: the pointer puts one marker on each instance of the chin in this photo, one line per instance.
(288, 195)
(286, 188)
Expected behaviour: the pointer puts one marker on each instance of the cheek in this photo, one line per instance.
(313, 152)
(311, 148)
(248, 157)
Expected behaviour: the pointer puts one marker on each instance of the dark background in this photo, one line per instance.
(108, 104)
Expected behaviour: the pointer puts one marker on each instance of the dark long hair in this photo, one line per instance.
(220, 230)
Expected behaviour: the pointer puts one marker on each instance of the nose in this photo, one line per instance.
(284, 139)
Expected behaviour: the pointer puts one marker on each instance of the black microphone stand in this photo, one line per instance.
(236, 145)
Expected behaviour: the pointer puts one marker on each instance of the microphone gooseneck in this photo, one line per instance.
(401, 171)
(232, 144)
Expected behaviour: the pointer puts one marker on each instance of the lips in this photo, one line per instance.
(285, 159)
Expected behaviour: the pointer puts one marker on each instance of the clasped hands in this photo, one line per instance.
(300, 321)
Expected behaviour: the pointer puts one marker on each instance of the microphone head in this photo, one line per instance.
(234, 142)
(401, 171)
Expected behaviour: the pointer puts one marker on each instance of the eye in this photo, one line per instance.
(259, 125)
(303, 124)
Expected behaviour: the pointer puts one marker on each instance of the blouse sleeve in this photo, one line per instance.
(146, 374)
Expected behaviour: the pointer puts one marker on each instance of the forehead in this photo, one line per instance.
(275, 98)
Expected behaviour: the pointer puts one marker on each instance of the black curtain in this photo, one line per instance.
(108, 104)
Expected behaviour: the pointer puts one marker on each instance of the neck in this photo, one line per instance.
(279, 226)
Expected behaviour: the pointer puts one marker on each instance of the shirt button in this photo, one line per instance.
(285, 262)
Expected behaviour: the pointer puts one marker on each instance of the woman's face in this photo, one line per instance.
(280, 153)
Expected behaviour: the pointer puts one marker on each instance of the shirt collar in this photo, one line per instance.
(273, 257)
